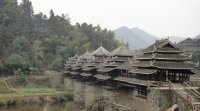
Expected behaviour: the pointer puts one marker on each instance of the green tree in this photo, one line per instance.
(57, 63)
(29, 39)
(21, 44)
(1, 66)
(16, 61)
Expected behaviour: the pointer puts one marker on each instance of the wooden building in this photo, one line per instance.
(73, 61)
(109, 69)
(163, 61)
(74, 66)
(90, 69)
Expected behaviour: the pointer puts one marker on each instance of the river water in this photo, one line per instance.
(84, 95)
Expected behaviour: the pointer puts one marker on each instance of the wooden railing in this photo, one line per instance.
(178, 90)
(103, 100)
(192, 90)
(191, 94)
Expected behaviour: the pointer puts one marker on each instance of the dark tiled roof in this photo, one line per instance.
(87, 56)
(141, 64)
(109, 59)
(164, 64)
(159, 46)
(101, 52)
(99, 59)
(125, 66)
(76, 68)
(174, 65)
(143, 71)
(88, 68)
(103, 69)
(85, 74)
(92, 65)
(134, 81)
(121, 51)
(74, 73)
(122, 58)
(102, 77)
(114, 64)
(163, 56)
(66, 72)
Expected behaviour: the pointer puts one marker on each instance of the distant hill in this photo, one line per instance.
(197, 37)
(138, 38)
(176, 39)
(144, 35)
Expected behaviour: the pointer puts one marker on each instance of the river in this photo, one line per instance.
(84, 95)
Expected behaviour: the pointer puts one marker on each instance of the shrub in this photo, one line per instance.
(16, 61)
(57, 64)
(20, 78)
(1, 66)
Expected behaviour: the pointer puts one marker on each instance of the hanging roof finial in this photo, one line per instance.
(168, 38)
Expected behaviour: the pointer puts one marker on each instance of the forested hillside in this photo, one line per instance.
(32, 41)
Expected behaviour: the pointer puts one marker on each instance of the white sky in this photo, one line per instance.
(158, 17)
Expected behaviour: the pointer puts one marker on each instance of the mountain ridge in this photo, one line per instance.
(138, 38)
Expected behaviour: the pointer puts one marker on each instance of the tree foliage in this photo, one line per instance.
(1, 66)
(35, 40)
(57, 63)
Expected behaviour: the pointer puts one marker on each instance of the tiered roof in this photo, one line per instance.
(163, 46)
(135, 81)
(164, 64)
(101, 51)
(158, 56)
(87, 56)
(162, 55)
(122, 51)
(118, 59)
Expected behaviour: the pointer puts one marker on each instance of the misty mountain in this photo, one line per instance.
(175, 39)
(197, 37)
(138, 38)
(146, 36)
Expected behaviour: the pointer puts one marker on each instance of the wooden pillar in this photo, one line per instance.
(188, 77)
(174, 77)
(185, 76)
(161, 75)
(181, 77)
(167, 75)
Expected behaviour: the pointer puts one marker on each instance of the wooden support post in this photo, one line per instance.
(184, 77)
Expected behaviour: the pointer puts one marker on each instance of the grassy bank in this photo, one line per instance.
(33, 89)
(34, 95)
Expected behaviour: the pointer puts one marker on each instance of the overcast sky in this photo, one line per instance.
(158, 17)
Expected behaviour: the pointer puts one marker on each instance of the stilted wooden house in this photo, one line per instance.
(85, 59)
(73, 61)
(75, 64)
(160, 62)
(91, 69)
(163, 61)
(110, 68)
